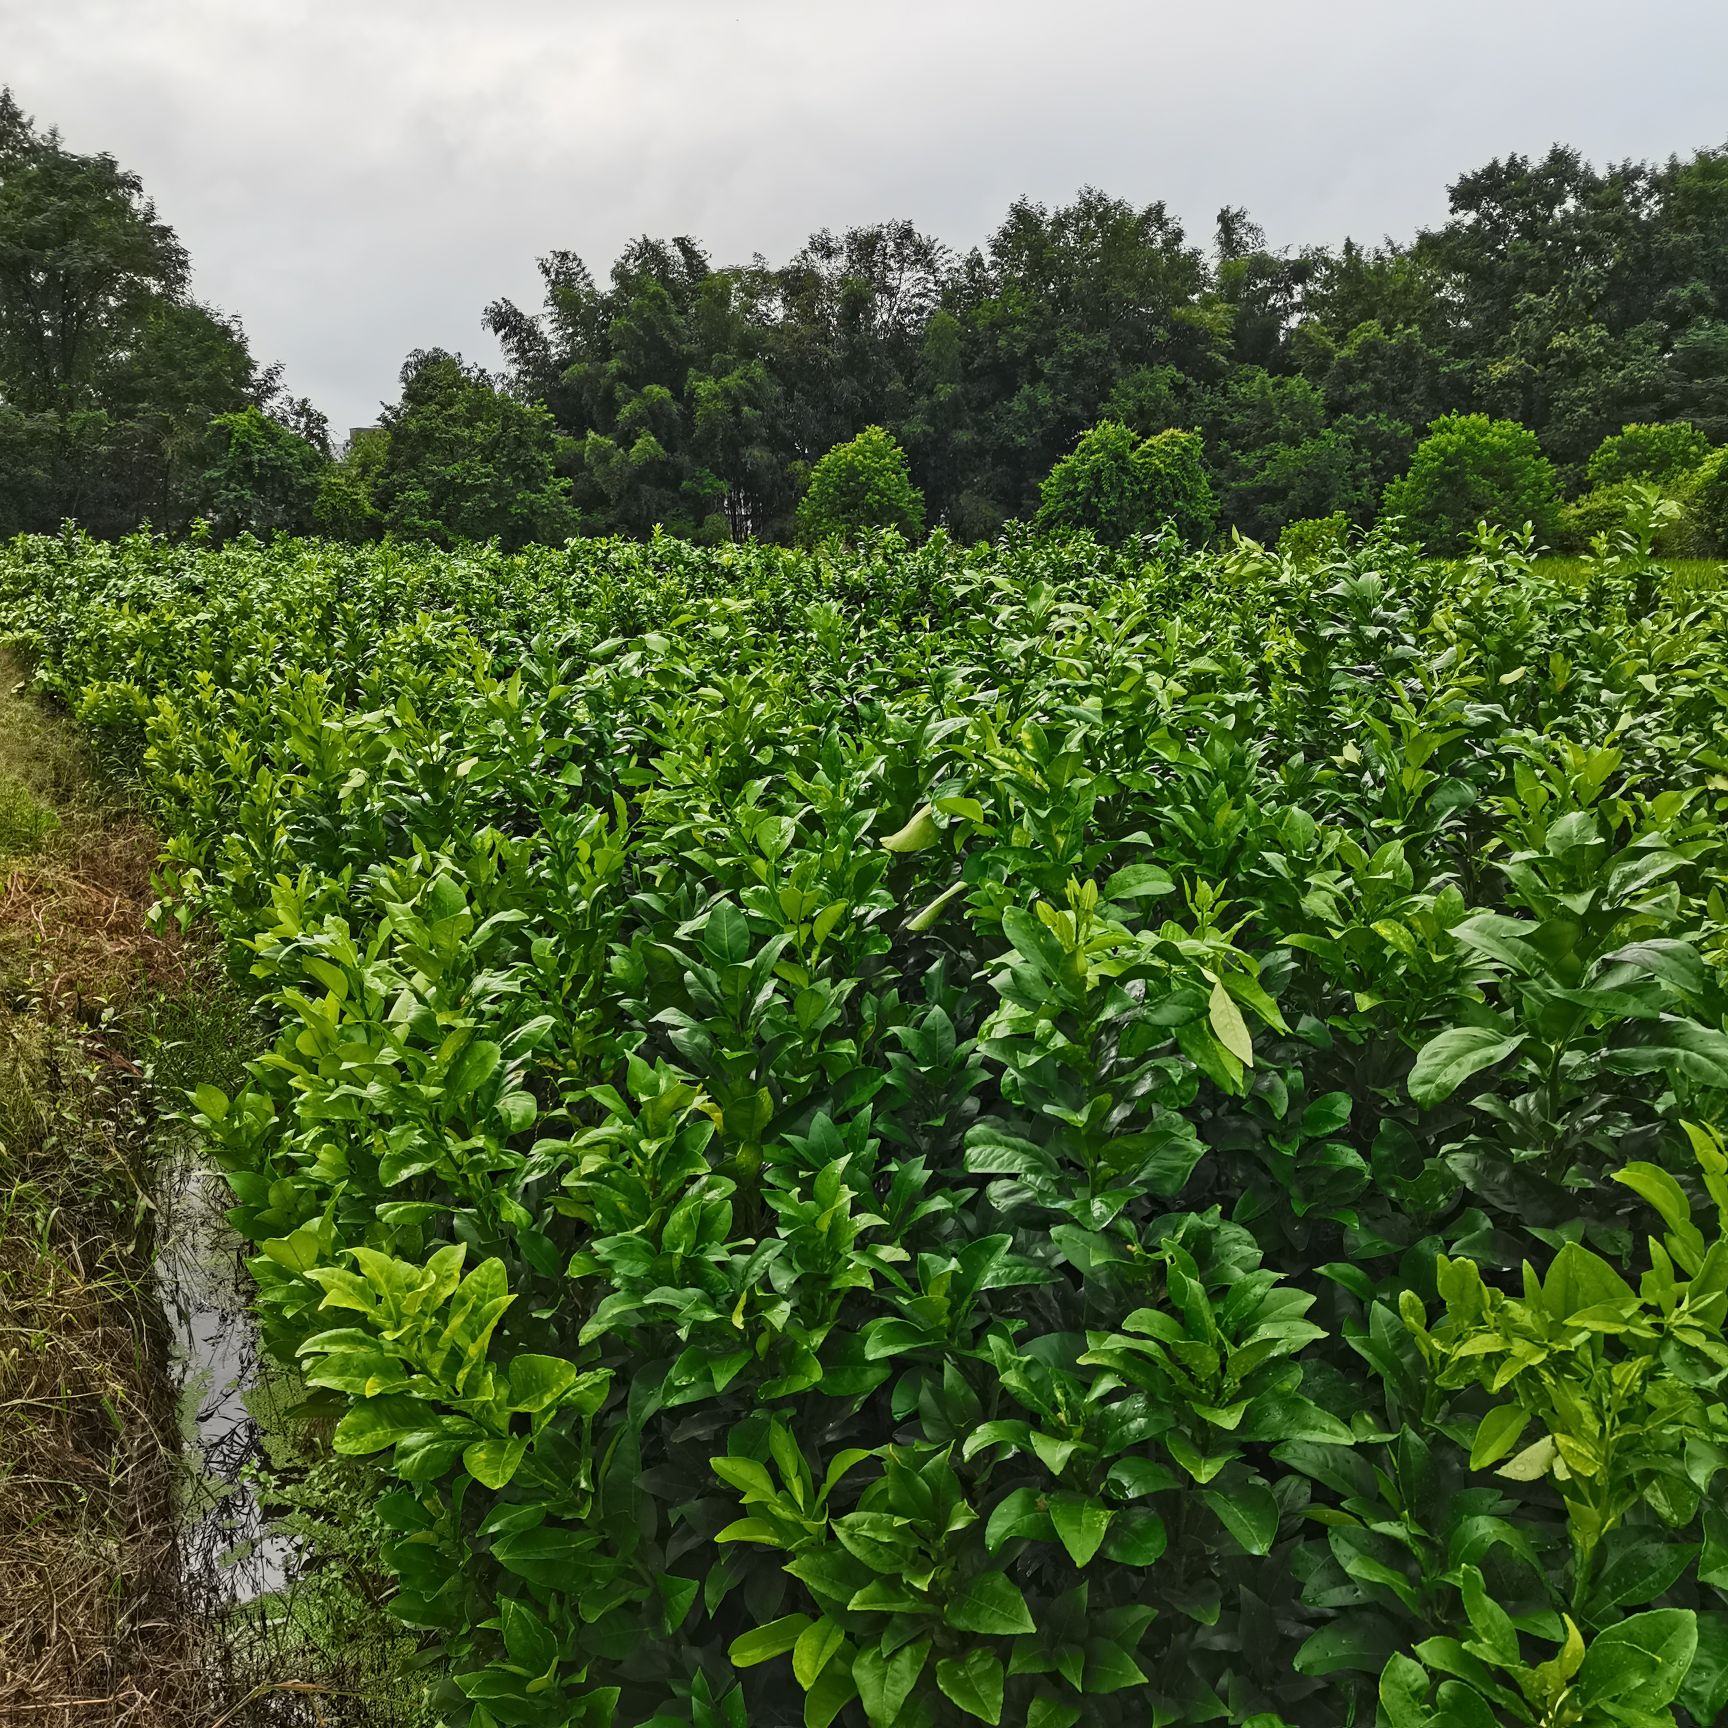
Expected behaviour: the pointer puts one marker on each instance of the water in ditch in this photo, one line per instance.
(230, 1552)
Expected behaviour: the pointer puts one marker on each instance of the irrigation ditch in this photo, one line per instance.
(176, 1550)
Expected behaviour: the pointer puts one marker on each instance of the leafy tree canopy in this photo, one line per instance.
(859, 487)
(110, 372)
(696, 396)
(262, 477)
(1471, 469)
(1648, 452)
(1115, 485)
(465, 460)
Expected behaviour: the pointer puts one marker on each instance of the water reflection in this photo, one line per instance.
(229, 1551)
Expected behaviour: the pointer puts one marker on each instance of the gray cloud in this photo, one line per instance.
(359, 177)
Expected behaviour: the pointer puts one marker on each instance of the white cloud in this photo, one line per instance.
(359, 177)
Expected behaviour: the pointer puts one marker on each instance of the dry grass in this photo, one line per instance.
(72, 921)
(76, 862)
(92, 1627)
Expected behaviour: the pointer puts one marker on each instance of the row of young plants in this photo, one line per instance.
(1027, 1135)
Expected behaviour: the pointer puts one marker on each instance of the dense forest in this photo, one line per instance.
(679, 393)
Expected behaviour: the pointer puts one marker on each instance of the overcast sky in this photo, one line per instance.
(357, 178)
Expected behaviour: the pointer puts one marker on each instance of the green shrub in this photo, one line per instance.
(859, 487)
(1173, 469)
(1096, 486)
(1608, 508)
(1471, 469)
(1660, 452)
(1114, 486)
(1707, 501)
(1311, 538)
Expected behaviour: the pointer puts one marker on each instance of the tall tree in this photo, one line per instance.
(849, 315)
(465, 460)
(662, 381)
(109, 370)
(682, 394)
(260, 476)
(84, 259)
(1059, 306)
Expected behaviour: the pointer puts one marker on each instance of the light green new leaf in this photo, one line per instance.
(1496, 1637)
(378, 1423)
(493, 1461)
(815, 1648)
(1228, 1026)
(1496, 1434)
(918, 834)
(212, 1101)
(921, 921)
(1652, 1183)
(763, 1643)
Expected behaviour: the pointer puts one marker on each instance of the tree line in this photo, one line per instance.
(701, 398)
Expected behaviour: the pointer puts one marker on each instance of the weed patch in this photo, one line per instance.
(89, 1568)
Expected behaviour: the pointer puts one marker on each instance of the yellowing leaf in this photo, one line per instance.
(1533, 1463)
(919, 922)
(918, 834)
(1228, 1026)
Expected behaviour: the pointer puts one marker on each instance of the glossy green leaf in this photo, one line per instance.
(973, 1683)
(885, 1681)
(1497, 1434)
(1081, 1525)
(1249, 1512)
(1640, 1662)
(762, 1643)
(1444, 1063)
(989, 1604)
